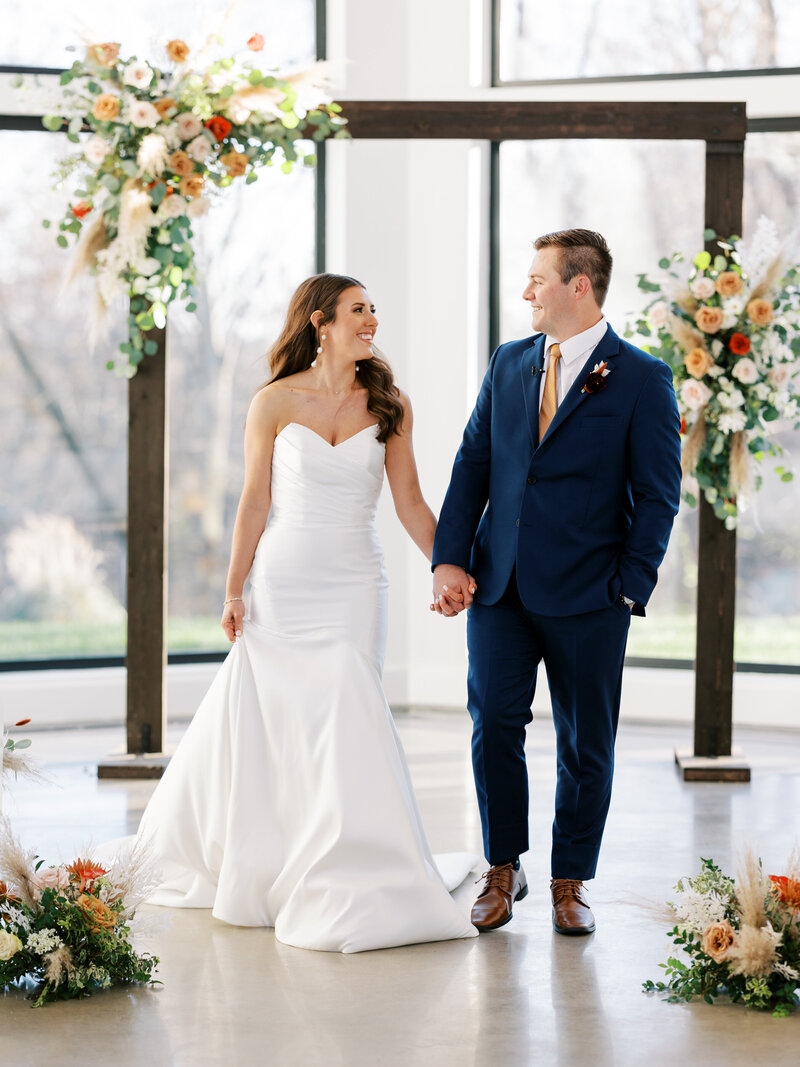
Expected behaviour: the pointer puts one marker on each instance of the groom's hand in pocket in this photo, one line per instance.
(453, 589)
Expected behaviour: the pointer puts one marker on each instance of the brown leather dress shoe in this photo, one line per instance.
(571, 911)
(502, 887)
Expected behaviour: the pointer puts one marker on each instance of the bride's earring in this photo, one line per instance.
(319, 349)
(357, 368)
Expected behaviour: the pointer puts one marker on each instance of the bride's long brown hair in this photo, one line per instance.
(296, 348)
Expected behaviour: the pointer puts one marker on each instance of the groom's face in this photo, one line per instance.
(552, 302)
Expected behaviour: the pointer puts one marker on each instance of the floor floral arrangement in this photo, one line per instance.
(163, 143)
(741, 937)
(729, 328)
(67, 928)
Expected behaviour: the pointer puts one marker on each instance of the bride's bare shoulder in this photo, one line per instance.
(275, 400)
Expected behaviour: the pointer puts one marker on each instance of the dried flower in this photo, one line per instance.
(709, 319)
(152, 155)
(106, 107)
(753, 953)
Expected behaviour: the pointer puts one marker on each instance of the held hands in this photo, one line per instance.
(232, 621)
(453, 590)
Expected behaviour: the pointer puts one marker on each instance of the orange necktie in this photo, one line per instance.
(550, 397)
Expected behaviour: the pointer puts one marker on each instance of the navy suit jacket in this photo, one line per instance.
(586, 513)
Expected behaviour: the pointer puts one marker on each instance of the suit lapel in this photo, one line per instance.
(608, 347)
(531, 366)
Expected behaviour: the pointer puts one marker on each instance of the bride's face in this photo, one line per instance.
(352, 331)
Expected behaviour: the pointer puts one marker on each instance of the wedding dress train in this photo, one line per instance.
(288, 802)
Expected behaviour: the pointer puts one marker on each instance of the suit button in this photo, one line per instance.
(531, 481)
(517, 522)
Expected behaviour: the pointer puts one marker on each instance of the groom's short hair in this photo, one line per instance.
(582, 252)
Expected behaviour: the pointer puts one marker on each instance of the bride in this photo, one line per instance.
(288, 802)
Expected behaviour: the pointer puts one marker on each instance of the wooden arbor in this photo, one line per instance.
(722, 127)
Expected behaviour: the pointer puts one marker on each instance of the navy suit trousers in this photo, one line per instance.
(583, 656)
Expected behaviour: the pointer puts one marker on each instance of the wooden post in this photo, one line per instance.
(713, 758)
(148, 480)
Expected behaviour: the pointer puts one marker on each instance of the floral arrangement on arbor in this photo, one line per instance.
(730, 331)
(163, 143)
(67, 928)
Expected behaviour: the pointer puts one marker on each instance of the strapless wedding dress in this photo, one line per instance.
(288, 802)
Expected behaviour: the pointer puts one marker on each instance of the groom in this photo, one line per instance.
(561, 503)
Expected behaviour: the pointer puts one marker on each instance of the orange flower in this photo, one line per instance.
(739, 344)
(22, 722)
(192, 186)
(79, 210)
(729, 283)
(104, 55)
(697, 362)
(787, 890)
(85, 872)
(683, 426)
(180, 164)
(165, 104)
(256, 43)
(235, 163)
(760, 311)
(96, 914)
(219, 127)
(177, 51)
(106, 107)
(6, 895)
(709, 319)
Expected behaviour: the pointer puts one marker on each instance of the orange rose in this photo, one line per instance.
(179, 163)
(256, 43)
(235, 163)
(760, 312)
(709, 319)
(104, 55)
(729, 283)
(165, 104)
(697, 362)
(192, 186)
(177, 51)
(96, 914)
(219, 127)
(106, 107)
(717, 939)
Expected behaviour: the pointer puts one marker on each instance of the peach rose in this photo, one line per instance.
(702, 288)
(96, 914)
(760, 312)
(164, 105)
(177, 51)
(235, 163)
(106, 107)
(717, 939)
(709, 319)
(192, 186)
(104, 55)
(697, 362)
(179, 163)
(729, 283)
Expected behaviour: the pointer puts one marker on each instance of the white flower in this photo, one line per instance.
(172, 207)
(691, 484)
(716, 347)
(731, 398)
(695, 394)
(732, 422)
(10, 945)
(147, 266)
(745, 371)
(142, 114)
(779, 375)
(784, 969)
(790, 409)
(189, 125)
(139, 285)
(761, 391)
(152, 155)
(697, 911)
(238, 111)
(199, 148)
(43, 941)
(715, 371)
(657, 315)
(137, 74)
(702, 288)
(197, 207)
(96, 150)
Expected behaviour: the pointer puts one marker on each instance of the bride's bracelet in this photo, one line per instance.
(231, 600)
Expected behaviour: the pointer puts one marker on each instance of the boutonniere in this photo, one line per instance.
(596, 379)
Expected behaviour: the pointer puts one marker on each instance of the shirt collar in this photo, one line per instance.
(580, 344)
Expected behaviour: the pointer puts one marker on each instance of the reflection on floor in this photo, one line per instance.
(520, 995)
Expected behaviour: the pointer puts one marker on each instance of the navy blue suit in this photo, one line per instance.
(575, 520)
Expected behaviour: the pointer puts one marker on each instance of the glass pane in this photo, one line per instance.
(40, 34)
(542, 41)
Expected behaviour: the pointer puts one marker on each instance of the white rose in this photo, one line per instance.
(657, 315)
(745, 371)
(10, 945)
(732, 422)
(702, 288)
(142, 114)
(137, 74)
(199, 148)
(197, 207)
(733, 398)
(695, 394)
(189, 125)
(172, 207)
(95, 150)
(790, 409)
(779, 375)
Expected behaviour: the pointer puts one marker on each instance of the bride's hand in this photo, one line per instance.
(232, 621)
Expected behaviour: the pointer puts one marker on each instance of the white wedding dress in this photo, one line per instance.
(288, 802)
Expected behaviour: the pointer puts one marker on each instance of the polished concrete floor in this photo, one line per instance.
(521, 995)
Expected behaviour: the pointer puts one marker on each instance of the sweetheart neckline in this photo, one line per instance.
(324, 440)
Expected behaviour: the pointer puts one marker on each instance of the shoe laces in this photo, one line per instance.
(493, 875)
(566, 887)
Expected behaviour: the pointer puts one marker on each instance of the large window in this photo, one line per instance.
(541, 41)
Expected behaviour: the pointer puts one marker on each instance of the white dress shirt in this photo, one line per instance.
(574, 353)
